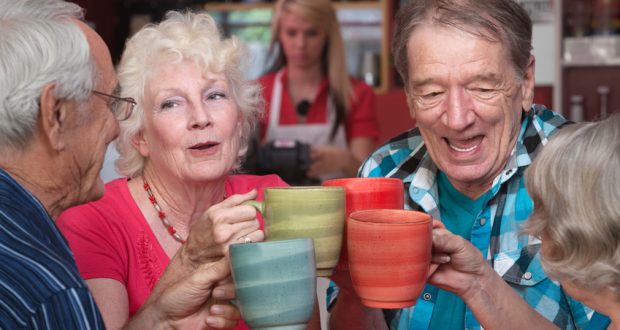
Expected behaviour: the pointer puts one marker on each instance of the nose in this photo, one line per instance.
(459, 112)
(200, 116)
(300, 40)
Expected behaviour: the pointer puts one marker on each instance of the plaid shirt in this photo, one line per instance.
(496, 229)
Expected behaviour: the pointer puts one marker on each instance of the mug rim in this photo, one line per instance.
(336, 182)
(300, 188)
(241, 245)
(367, 218)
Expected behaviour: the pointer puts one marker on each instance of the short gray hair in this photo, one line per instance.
(39, 44)
(575, 185)
(495, 20)
(193, 36)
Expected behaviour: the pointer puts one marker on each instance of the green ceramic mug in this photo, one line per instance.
(312, 211)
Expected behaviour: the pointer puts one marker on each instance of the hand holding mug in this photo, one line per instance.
(221, 225)
(458, 263)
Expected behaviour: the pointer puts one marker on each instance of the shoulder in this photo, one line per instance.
(267, 79)
(545, 121)
(360, 88)
(36, 281)
(539, 125)
(394, 153)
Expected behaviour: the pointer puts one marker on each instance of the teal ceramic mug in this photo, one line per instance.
(275, 283)
(312, 211)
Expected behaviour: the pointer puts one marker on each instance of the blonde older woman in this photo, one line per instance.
(178, 148)
(575, 186)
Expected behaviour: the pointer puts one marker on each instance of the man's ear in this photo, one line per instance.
(410, 103)
(527, 87)
(53, 117)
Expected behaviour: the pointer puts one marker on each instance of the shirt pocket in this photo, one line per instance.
(520, 267)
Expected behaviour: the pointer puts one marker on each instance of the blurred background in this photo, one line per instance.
(576, 44)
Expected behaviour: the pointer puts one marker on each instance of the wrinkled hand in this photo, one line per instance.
(460, 263)
(184, 304)
(222, 224)
(327, 159)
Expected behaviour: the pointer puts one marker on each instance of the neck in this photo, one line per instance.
(44, 182)
(473, 191)
(183, 202)
(311, 75)
(303, 84)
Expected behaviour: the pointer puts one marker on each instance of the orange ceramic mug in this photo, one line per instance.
(389, 255)
(364, 194)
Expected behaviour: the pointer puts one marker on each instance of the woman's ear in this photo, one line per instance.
(139, 142)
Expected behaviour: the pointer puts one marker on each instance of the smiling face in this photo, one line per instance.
(467, 101)
(302, 41)
(192, 126)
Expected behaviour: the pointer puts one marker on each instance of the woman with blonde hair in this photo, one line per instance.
(179, 149)
(309, 95)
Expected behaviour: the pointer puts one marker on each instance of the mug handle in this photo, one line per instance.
(437, 224)
(259, 206)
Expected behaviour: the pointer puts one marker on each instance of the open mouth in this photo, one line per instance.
(203, 146)
(466, 145)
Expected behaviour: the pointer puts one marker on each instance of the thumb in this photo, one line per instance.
(236, 199)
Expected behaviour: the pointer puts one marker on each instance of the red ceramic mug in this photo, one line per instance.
(389, 255)
(364, 194)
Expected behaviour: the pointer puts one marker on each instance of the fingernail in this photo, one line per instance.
(219, 293)
(216, 310)
(212, 322)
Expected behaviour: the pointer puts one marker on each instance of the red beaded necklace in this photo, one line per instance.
(161, 214)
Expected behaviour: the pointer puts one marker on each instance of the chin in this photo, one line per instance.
(468, 173)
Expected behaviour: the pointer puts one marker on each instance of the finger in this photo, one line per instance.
(236, 199)
(217, 322)
(440, 258)
(207, 275)
(437, 224)
(446, 242)
(252, 235)
(224, 291)
(231, 215)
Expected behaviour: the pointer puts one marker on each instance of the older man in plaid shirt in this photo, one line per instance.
(469, 79)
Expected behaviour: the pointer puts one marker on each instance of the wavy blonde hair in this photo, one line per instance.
(322, 14)
(575, 186)
(182, 36)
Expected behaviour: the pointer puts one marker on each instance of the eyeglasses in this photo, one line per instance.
(121, 107)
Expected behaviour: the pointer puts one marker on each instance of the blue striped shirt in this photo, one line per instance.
(40, 286)
(495, 231)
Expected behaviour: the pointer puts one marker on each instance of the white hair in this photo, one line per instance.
(39, 45)
(192, 36)
(575, 185)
